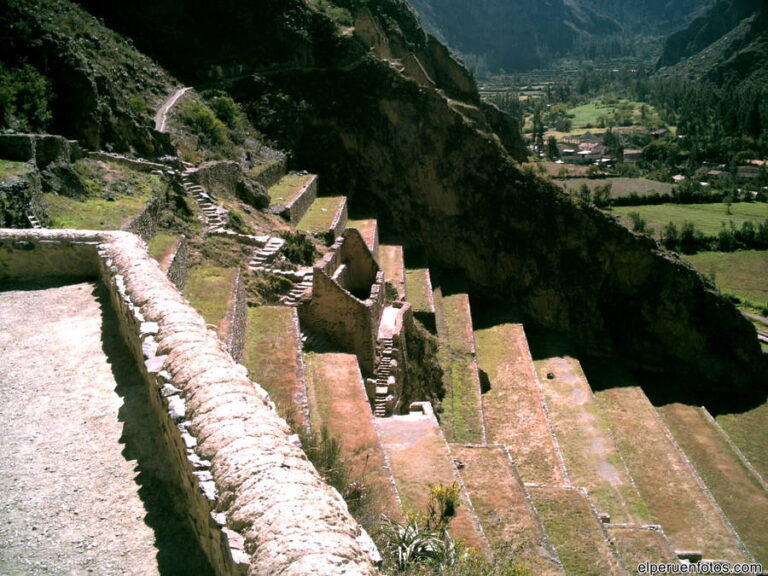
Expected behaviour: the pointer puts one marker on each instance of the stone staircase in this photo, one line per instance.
(266, 254)
(385, 380)
(33, 221)
(302, 289)
(213, 214)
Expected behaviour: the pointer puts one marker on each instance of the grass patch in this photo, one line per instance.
(504, 357)
(418, 289)
(666, 482)
(461, 418)
(749, 431)
(574, 532)
(319, 217)
(10, 169)
(588, 449)
(338, 404)
(286, 190)
(708, 218)
(93, 213)
(208, 290)
(161, 244)
(736, 490)
(271, 359)
(500, 502)
(743, 273)
(637, 545)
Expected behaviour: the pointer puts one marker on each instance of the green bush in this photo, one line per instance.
(25, 96)
(204, 123)
(298, 248)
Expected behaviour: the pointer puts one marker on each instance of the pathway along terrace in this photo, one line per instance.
(82, 489)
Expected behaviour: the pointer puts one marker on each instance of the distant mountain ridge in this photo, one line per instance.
(728, 43)
(518, 35)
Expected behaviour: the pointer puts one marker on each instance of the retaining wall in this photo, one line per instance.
(301, 202)
(179, 264)
(256, 504)
(236, 318)
(42, 149)
(133, 163)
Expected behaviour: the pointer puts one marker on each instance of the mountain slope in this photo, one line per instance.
(439, 172)
(730, 42)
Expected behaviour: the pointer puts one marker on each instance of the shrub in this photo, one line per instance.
(25, 96)
(298, 248)
(236, 222)
(204, 123)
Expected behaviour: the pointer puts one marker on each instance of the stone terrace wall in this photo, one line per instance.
(42, 149)
(137, 164)
(302, 201)
(236, 318)
(179, 266)
(256, 503)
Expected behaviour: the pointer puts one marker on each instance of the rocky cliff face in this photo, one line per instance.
(438, 171)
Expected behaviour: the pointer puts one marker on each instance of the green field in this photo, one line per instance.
(319, 217)
(620, 187)
(208, 289)
(95, 213)
(285, 190)
(9, 169)
(705, 217)
(743, 273)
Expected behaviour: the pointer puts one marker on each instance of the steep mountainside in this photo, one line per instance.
(662, 16)
(387, 118)
(730, 42)
(512, 34)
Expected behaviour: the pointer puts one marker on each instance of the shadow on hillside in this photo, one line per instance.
(661, 388)
(178, 553)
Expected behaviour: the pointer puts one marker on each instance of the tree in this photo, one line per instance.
(552, 150)
(602, 195)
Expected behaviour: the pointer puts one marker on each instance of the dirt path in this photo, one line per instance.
(82, 490)
(162, 114)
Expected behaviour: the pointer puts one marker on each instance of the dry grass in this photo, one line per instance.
(636, 545)
(513, 407)
(419, 457)
(418, 289)
(749, 431)
(575, 532)
(665, 480)
(500, 503)
(734, 487)
(271, 356)
(462, 416)
(319, 217)
(338, 403)
(208, 290)
(590, 455)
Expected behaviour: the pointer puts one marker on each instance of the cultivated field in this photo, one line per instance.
(743, 273)
(271, 354)
(338, 404)
(501, 504)
(636, 545)
(708, 218)
(575, 532)
(620, 187)
(665, 479)
(208, 289)
(504, 357)
(736, 489)
(590, 454)
(462, 416)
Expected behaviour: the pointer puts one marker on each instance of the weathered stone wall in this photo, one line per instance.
(42, 149)
(179, 264)
(133, 163)
(219, 178)
(347, 321)
(234, 337)
(271, 174)
(145, 224)
(256, 503)
(303, 200)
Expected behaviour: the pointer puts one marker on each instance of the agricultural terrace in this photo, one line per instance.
(420, 458)
(575, 532)
(271, 354)
(321, 214)
(708, 218)
(161, 246)
(588, 448)
(339, 407)
(636, 545)
(286, 190)
(749, 431)
(462, 417)
(419, 289)
(502, 507)
(208, 289)
(392, 264)
(736, 489)
(620, 187)
(665, 479)
(10, 169)
(743, 273)
(504, 357)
